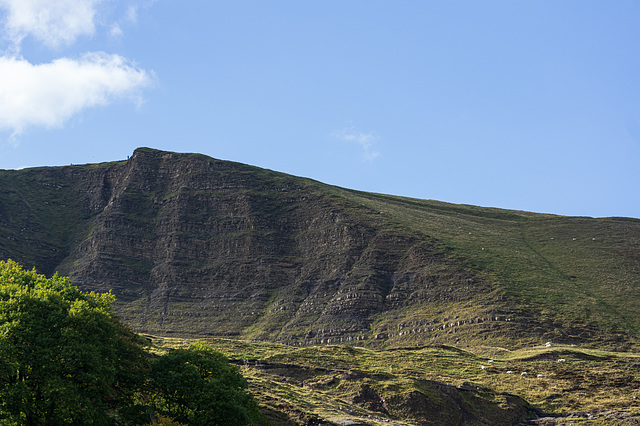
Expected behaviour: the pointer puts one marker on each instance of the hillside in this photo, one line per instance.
(194, 246)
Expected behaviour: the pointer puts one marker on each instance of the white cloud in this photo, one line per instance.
(364, 140)
(49, 94)
(52, 22)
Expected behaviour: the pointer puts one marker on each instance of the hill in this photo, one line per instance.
(194, 246)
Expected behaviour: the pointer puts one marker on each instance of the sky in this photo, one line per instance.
(513, 104)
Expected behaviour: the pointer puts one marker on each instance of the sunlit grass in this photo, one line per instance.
(559, 378)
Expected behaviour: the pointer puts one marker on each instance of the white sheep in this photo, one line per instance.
(524, 373)
(562, 360)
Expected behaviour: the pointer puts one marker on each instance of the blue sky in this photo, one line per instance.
(522, 105)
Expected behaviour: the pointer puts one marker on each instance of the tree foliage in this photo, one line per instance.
(198, 386)
(64, 357)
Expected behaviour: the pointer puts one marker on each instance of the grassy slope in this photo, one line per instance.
(41, 211)
(37, 217)
(571, 270)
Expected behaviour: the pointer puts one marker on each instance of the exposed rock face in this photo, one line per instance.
(193, 245)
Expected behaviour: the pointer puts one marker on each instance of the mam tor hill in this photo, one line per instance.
(194, 246)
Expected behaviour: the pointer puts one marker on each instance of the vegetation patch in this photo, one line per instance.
(559, 379)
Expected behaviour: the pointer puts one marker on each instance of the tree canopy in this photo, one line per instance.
(66, 359)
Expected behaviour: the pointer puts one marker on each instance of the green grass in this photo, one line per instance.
(567, 270)
(323, 380)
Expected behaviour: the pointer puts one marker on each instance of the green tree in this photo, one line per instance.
(198, 386)
(64, 358)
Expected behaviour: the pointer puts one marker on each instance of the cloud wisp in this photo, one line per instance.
(49, 94)
(129, 17)
(364, 140)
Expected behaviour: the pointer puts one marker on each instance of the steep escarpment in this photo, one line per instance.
(191, 245)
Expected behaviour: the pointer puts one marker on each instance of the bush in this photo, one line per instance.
(198, 386)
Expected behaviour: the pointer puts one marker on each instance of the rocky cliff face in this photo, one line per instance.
(197, 246)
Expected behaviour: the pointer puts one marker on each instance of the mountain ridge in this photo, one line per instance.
(191, 245)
